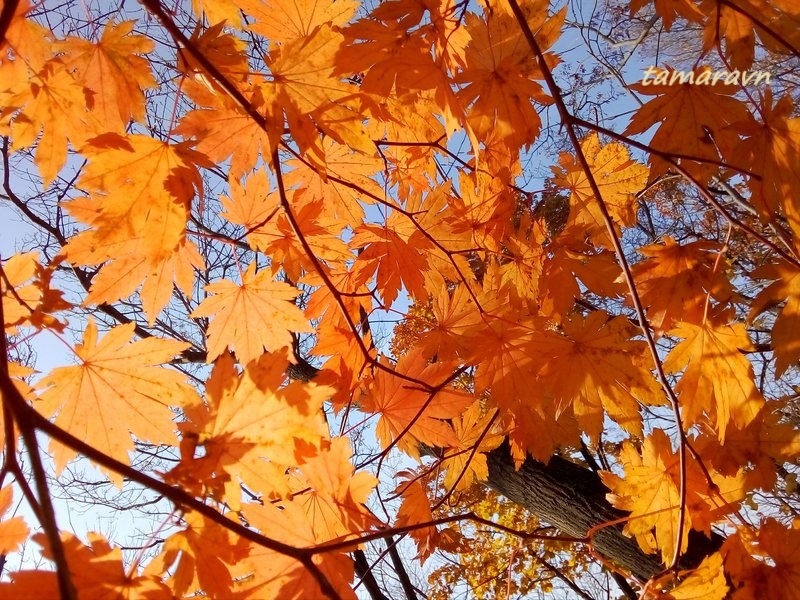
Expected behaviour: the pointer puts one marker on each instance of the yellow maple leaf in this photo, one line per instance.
(706, 582)
(650, 491)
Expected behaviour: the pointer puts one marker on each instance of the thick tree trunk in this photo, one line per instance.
(573, 499)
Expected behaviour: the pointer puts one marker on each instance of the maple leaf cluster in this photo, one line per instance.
(232, 195)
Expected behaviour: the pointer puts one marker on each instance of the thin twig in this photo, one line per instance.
(617, 244)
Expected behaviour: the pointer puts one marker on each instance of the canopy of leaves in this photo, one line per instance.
(224, 201)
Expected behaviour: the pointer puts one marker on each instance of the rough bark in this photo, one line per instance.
(573, 499)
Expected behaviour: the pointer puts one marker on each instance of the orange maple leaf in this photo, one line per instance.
(342, 200)
(738, 23)
(249, 203)
(305, 89)
(669, 9)
(484, 209)
(767, 441)
(217, 11)
(141, 192)
(228, 54)
(251, 317)
(282, 21)
(332, 494)
(750, 575)
(785, 287)
(116, 390)
(717, 378)
(617, 176)
(113, 70)
(251, 428)
(408, 410)
(672, 279)
(498, 75)
(455, 318)
(30, 42)
(693, 120)
(597, 365)
(433, 214)
(228, 130)
(13, 531)
(32, 300)
(508, 356)
(208, 557)
(416, 509)
(706, 582)
(598, 270)
(96, 571)
(396, 253)
(770, 151)
(278, 576)
(396, 61)
(51, 102)
(269, 230)
(737, 30)
(465, 463)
